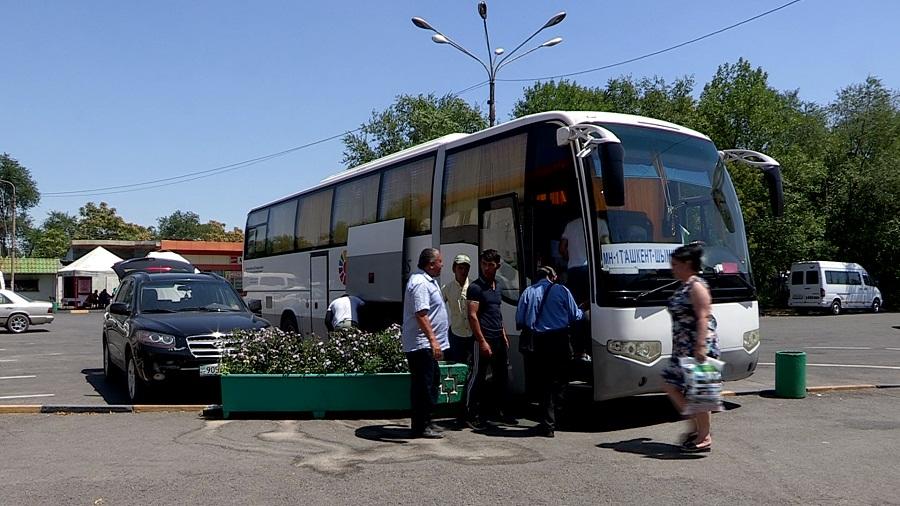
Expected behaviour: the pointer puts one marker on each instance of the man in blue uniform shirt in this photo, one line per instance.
(546, 310)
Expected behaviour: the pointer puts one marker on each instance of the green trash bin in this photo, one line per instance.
(790, 374)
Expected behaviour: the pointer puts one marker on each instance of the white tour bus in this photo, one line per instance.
(833, 286)
(648, 185)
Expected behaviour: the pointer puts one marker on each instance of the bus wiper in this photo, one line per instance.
(663, 287)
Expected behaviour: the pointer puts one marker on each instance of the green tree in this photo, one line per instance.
(411, 120)
(738, 109)
(863, 182)
(53, 237)
(27, 196)
(102, 222)
(180, 225)
(651, 97)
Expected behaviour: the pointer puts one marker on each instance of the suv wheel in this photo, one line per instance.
(109, 370)
(836, 307)
(876, 306)
(17, 323)
(137, 389)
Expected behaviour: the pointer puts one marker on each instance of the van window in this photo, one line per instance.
(797, 278)
(868, 280)
(854, 278)
(837, 277)
(812, 277)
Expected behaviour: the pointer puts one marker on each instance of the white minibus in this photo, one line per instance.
(833, 286)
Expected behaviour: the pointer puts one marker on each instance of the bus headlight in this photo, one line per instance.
(751, 339)
(642, 351)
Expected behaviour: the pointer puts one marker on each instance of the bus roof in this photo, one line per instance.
(455, 140)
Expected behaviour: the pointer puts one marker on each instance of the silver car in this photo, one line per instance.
(18, 312)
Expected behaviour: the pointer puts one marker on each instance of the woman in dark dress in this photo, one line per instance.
(693, 335)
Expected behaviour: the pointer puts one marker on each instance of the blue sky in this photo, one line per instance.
(103, 93)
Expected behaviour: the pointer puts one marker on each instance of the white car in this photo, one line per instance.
(18, 312)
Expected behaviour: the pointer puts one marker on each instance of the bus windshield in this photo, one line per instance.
(676, 191)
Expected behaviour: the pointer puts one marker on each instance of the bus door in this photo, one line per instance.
(318, 292)
(498, 225)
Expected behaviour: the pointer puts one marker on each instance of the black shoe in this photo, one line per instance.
(544, 431)
(428, 433)
(435, 428)
(476, 424)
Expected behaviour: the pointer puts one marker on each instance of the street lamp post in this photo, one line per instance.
(494, 61)
(12, 256)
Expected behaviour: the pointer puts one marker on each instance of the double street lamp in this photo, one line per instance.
(496, 59)
(12, 266)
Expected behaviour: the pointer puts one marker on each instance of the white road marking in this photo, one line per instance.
(893, 349)
(9, 360)
(855, 366)
(16, 377)
(6, 397)
(838, 348)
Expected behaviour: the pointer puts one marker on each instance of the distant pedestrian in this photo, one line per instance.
(457, 308)
(693, 335)
(104, 298)
(343, 312)
(545, 313)
(424, 339)
(491, 348)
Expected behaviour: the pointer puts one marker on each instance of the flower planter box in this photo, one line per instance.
(320, 394)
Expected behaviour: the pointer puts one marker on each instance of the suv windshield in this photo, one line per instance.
(677, 191)
(188, 295)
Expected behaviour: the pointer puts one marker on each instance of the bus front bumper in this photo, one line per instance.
(616, 377)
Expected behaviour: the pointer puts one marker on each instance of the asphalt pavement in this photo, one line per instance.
(831, 448)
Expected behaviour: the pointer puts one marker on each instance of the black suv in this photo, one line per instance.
(166, 319)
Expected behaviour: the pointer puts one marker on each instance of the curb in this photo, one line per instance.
(214, 409)
(101, 409)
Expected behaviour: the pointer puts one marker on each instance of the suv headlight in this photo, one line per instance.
(642, 351)
(751, 339)
(155, 339)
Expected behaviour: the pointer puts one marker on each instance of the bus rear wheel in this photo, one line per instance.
(836, 307)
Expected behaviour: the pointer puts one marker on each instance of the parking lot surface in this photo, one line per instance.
(832, 448)
(60, 364)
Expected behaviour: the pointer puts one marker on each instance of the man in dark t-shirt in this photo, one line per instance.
(483, 400)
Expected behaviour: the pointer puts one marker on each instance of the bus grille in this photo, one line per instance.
(207, 346)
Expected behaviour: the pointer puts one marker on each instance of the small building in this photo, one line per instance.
(222, 258)
(91, 272)
(35, 277)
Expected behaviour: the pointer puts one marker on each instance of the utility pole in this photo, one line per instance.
(12, 254)
(494, 62)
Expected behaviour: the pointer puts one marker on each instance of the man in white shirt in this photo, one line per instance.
(457, 308)
(343, 312)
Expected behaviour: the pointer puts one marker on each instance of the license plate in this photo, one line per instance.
(209, 370)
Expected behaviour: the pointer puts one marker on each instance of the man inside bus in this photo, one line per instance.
(573, 250)
(343, 312)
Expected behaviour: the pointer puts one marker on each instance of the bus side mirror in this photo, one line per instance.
(255, 306)
(772, 176)
(612, 163)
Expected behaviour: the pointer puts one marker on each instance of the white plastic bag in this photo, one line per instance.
(703, 385)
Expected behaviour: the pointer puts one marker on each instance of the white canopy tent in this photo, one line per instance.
(96, 265)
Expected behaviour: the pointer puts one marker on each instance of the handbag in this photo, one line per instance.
(703, 385)
(526, 337)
